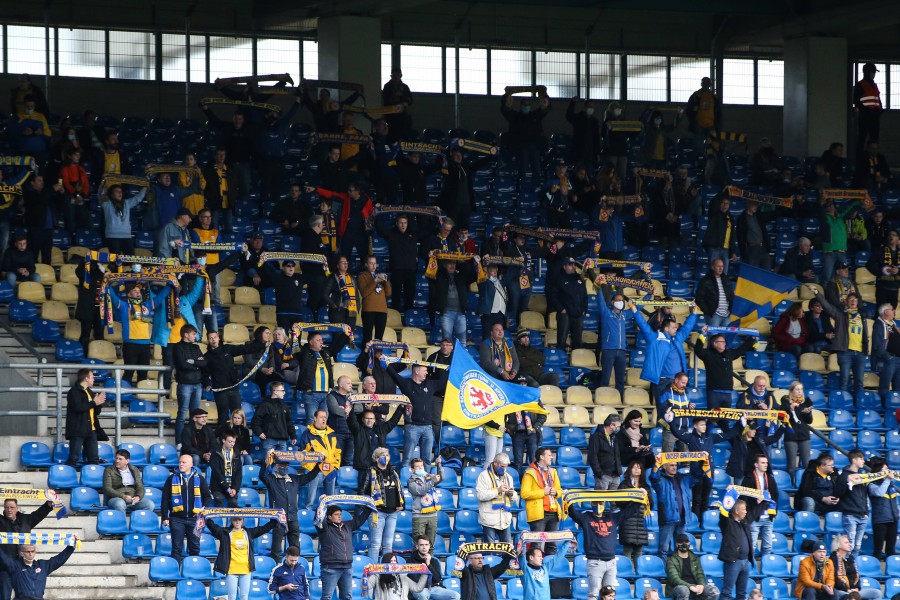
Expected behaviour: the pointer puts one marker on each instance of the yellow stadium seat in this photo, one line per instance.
(646, 418)
(550, 338)
(577, 416)
(116, 335)
(870, 380)
(347, 369)
(813, 361)
(430, 350)
(538, 303)
(635, 396)
(867, 293)
(53, 310)
(267, 315)
(64, 292)
(211, 409)
(393, 319)
(633, 378)
(247, 295)
(72, 330)
(31, 291)
(67, 274)
(232, 333)
(806, 294)
(579, 395)
(46, 272)
(533, 320)
(413, 336)
(551, 323)
(149, 384)
(751, 374)
(589, 338)
(820, 421)
(242, 314)
(863, 275)
(226, 278)
(833, 363)
(102, 350)
(607, 396)
(57, 259)
(763, 326)
(583, 358)
(390, 335)
(552, 417)
(601, 412)
(415, 353)
(551, 395)
(155, 362)
(78, 252)
(225, 296)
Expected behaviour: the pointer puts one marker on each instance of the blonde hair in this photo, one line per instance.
(240, 413)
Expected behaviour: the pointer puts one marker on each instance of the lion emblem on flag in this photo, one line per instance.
(480, 395)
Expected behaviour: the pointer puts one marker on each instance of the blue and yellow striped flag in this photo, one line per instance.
(757, 293)
(473, 397)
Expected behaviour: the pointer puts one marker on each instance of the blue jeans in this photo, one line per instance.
(855, 528)
(312, 489)
(381, 535)
(722, 253)
(436, 593)
(829, 260)
(341, 578)
(668, 531)
(524, 444)
(852, 360)
(715, 399)
(417, 435)
(189, 395)
(612, 359)
(179, 527)
(453, 325)
(717, 321)
(490, 534)
(764, 527)
(12, 279)
(736, 575)
(313, 401)
(888, 376)
(120, 505)
(235, 583)
(280, 445)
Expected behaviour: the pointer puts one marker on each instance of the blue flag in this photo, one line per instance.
(757, 293)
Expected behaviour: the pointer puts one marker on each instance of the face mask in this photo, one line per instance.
(526, 109)
(28, 111)
(383, 460)
(657, 121)
(135, 268)
(71, 137)
(201, 261)
(684, 547)
(282, 471)
(617, 112)
(589, 111)
(501, 470)
(618, 304)
(420, 473)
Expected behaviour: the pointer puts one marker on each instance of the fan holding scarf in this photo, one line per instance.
(184, 495)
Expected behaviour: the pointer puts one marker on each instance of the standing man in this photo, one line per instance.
(284, 491)
(477, 580)
(82, 423)
(736, 552)
(703, 113)
(601, 532)
(221, 373)
(29, 576)
(403, 248)
(673, 494)
(885, 264)
(449, 298)
(851, 339)
(613, 344)
(665, 350)
(227, 473)
(718, 360)
(603, 454)
(336, 550)
(319, 437)
(14, 521)
(417, 430)
(421, 486)
(492, 305)
(184, 495)
(854, 500)
(288, 303)
(272, 421)
(339, 411)
(497, 495)
(569, 295)
(541, 492)
(886, 351)
(189, 363)
(868, 108)
(714, 294)
(314, 379)
(394, 93)
(685, 579)
(720, 239)
(123, 485)
(289, 579)
(761, 514)
(369, 433)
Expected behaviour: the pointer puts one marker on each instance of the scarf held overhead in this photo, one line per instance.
(345, 499)
(35, 494)
(502, 548)
(664, 458)
(293, 457)
(245, 513)
(529, 537)
(736, 192)
(577, 496)
(392, 569)
(43, 538)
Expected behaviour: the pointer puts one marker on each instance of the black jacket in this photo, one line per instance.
(742, 453)
(434, 566)
(735, 539)
(291, 211)
(795, 264)
(421, 396)
(336, 541)
(287, 293)
(812, 330)
(241, 435)
(23, 523)
(761, 219)
(440, 376)
(189, 362)
(719, 369)
(585, 135)
(799, 424)
(187, 494)
(854, 501)
(403, 248)
(223, 559)
(198, 441)
(13, 260)
(603, 454)
(718, 224)
(756, 509)
(365, 437)
(707, 294)
(307, 375)
(218, 482)
(219, 370)
(569, 294)
(467, 579)
(273, 418)
(413, 180)
(79, 402)
(814, 486)
(465, 276)
(383, 382)
(284, 493)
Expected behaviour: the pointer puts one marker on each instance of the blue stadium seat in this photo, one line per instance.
(870, 440)
(783, 379)
(35, 455)
(841, 419)
(758, 360)
(85, 499)
(163, 454)
(112, 522)
(784, 361)
(138, 454)
(452, 435)
(189, 589)
(868, 566)
(568, 456)
(569, 478)
(807, 522)
(62, 477)
(259, 590)
(163, 569)
(137, 546)
(249, 498)
(146, 521)
(775, 588)
(648, 583)
(66, 350)
(92, 476)
(650, 566)
(208, 547)
(45, 332)
(574, 437)
(467, 522)
(197, 567)
(774, 565)
(711, 542)
(871, 419)
(155, 475)
(264, 567)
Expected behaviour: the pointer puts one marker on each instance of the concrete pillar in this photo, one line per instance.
(816, 94)
(350, 50)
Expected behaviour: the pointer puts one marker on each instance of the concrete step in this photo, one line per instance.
(90, 558)
(105, 593)
(76, 579)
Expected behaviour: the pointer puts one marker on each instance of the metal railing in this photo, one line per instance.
(62, 385)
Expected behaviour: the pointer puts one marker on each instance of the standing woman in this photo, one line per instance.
(237, 427)
(632, 531)
(796, 437)
(885, 510)
(341, 295)
(235, 559)
(395, 586)
(387, 492)
(633, 442)
(191, 186)
(375, 290)
(82, 419)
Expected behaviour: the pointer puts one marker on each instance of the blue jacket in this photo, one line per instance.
(283, 575)
(161, 327)
(536, 582)
(30, 582)
(703, 443)
(612, 327)
(123, 308)
(168, 201)
(271, 136)
(667, 501)
(118, 225)
(612, 238)
(659, 345)
(883, 496)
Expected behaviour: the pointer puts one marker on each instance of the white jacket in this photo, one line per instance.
(488, 516)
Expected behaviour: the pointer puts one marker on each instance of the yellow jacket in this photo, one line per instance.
(533, 495)
(324, 441)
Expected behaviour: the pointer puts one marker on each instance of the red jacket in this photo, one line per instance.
(783, 341)
(345, 207)
(72, 174)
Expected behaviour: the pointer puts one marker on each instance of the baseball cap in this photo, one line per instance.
(288, 263)
(256, 236)
(842, 265)
(682, 539)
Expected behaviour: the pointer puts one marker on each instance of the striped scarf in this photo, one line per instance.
(733, 492)
(377, 495)
(736, 192)
(544, 477)
(391, 569)
(301, 457)
(502, 548)
(36, 494)
(348, 293)
(43, 538)
(421, 148)
(572, 497)
(664, 458)
(501, 355)
(179, 480)
(528, 537)
(352, 499)
(244, 513)
(383, 346)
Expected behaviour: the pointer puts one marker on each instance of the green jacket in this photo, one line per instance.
(834, 229)
(674, 568)
(112, 483)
